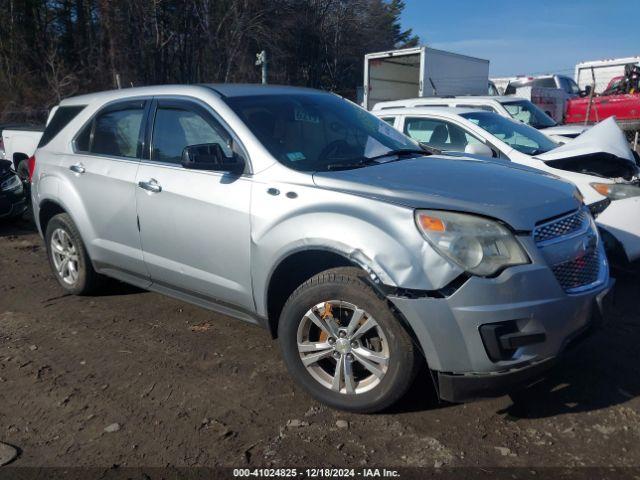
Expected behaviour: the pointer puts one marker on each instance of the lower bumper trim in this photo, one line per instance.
(462, 388)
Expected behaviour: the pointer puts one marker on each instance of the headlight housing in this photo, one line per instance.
(11, 184)
(478, 245)
(617, 191)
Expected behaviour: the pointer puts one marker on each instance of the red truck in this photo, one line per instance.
(621, 98)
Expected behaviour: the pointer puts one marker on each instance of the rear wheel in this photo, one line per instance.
(344, 345)
(68, 257)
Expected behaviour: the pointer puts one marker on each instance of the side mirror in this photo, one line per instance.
(479, 149)
(211, 156)
(586, 92)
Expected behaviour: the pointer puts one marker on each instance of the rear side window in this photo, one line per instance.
(115, 131)
(60, 119)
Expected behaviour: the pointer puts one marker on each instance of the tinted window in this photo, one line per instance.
(389, 120)
(83, 140)
(516, 134)
(60, 119)
(318, 131)
(117, 131)
(176, 128)
(548, 82)
(439, 134)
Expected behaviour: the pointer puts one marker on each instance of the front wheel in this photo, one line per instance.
(344, 345)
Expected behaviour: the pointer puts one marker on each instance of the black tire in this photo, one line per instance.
(88, 280)
(347, 284)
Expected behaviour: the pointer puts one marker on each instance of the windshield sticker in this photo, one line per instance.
(387, 130)
(304, 116)
(296, 156)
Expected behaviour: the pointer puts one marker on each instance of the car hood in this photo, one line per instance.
(517, 195)
(606, 137)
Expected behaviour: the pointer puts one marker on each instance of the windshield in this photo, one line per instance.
(515, 134)
(527, 112)
(314, 132)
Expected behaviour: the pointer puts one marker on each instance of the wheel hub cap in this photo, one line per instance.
(342, 346)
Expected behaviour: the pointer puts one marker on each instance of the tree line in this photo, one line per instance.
(50, 50)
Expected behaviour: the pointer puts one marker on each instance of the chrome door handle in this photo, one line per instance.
(77, 168)
(151, 186)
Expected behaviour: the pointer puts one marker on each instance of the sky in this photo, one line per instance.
(522, 37)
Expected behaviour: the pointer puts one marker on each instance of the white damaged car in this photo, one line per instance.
(599, 161)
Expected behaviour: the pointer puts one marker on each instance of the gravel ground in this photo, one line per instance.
(132, 378)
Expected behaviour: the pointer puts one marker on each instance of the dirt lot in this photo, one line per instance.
(189, 387)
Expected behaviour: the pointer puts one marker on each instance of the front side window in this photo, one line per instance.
(519, 136)
(528, 113)
(439, 134)
(390, 120)
(177, 127)
(116, 131)
(314, 132)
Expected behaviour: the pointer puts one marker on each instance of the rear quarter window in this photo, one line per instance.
(60, 119)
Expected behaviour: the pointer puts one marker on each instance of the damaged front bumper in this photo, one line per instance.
(495, 335)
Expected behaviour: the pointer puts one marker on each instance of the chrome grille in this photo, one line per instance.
(579, 272)
(584, 270)
(560, 227)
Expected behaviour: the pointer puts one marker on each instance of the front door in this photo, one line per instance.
(194, 224)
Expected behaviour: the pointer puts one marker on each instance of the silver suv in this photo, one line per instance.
(299, 211)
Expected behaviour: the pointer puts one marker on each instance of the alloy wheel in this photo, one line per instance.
(65, 256)
(343, 347)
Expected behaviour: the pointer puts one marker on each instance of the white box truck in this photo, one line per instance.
(422, 72)
(603, 71)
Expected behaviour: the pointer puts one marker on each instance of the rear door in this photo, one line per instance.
(194, 224)
(103, 172)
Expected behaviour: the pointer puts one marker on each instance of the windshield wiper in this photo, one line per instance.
(363, 162)
(367, 161)
(401, 152)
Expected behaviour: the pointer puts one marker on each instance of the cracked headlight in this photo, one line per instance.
(13, 183)
(617, 191)
(478, 245)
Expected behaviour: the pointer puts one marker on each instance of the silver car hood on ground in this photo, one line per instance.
(517, 195)
(605, 137)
